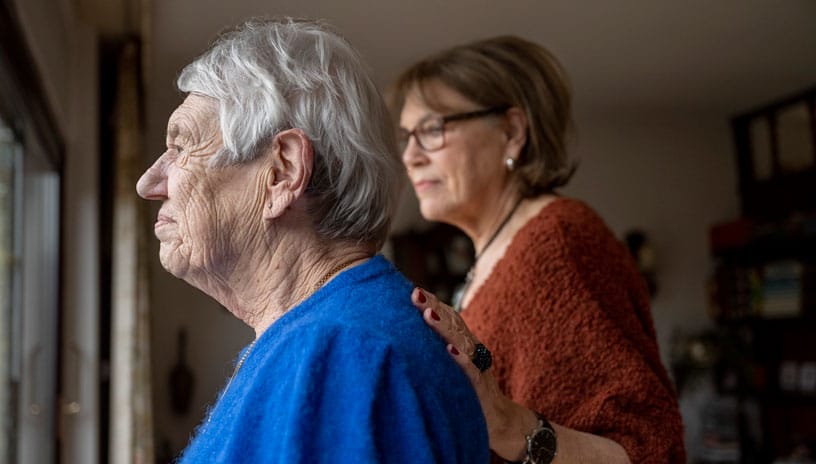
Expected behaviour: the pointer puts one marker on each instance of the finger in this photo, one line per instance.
(454, 329)
(426, 302)
(466, 365)
(419, 298)
(432, 318)
(447, 323)
(485, 384)
(422, 298)
(435, 322)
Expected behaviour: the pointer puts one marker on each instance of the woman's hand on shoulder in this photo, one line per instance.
(447, 323)
(500, 412)
(508, 423)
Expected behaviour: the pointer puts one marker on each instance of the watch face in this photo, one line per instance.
(542, 446)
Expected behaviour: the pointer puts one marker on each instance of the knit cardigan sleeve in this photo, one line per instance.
(567, 317)
(340, 398)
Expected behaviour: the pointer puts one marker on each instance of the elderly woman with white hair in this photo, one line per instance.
(276, 190)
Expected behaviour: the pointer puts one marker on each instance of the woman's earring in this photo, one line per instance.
(269, 205)
(510, 163)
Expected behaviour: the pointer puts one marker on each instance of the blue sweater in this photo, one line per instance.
(351, 375)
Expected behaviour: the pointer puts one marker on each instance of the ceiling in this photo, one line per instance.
(720, 56)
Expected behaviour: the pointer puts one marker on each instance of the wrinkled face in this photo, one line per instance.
(453, 183)
(206, 214)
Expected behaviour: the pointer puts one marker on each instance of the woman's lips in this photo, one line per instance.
(423, 185)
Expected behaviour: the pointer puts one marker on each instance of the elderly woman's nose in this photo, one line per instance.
(153, 183)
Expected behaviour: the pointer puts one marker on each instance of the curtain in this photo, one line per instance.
(131, 439)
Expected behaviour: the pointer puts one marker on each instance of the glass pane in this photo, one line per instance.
(795, 138)
(761, 148)
(38, 250)
(7, 262)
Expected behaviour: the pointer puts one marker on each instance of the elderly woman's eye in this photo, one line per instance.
(182, 156)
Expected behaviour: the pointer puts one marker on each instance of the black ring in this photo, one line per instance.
(482, 358)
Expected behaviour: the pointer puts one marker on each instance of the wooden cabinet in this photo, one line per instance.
(763, 288)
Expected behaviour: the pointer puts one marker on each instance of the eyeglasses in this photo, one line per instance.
(430, 131)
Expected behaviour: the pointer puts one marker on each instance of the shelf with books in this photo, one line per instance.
(783, 289)
(762, 293)
(762, 287)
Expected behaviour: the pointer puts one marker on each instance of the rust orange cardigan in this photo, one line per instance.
(566, 315)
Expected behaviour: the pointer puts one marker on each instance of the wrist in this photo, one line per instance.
(535, 444)
(508, 436)
(542, 443)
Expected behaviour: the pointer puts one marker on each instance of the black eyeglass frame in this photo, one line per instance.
(405, 135)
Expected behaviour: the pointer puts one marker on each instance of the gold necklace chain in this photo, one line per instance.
(327, 276)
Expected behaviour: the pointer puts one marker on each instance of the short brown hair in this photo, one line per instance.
(507, 70)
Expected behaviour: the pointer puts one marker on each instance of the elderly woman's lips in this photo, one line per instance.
(163, 220)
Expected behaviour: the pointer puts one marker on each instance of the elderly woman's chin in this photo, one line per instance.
(173, 260)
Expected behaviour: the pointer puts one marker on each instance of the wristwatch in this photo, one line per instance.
(541, 444)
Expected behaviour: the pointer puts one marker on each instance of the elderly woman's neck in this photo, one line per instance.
(286, 275)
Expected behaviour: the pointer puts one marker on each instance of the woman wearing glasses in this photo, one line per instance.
(577, 374)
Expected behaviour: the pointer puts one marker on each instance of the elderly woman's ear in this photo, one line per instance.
(290, 157)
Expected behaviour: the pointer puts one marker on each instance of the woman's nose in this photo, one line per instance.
(413, 155)
(153, 183)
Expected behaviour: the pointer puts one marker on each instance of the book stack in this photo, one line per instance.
(782, 289)
(735, 292)
(778, 289)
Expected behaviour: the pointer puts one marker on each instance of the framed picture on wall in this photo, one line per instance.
(776, 155)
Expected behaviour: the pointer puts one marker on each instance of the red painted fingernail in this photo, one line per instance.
(421, 297)
(435, 316)
(454, 351)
